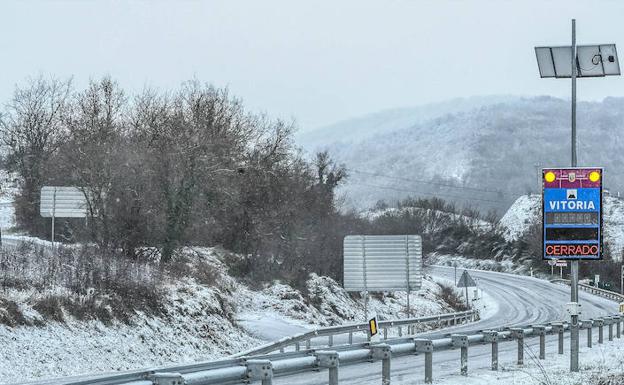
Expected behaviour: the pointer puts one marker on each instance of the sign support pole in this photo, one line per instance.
(365, 283)
(574, 325)
(407, 274)
(53, 214)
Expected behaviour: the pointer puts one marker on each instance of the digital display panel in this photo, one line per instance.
(571, 233)
(572, 213)
(572, 218)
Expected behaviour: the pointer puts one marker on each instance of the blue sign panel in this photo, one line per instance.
(572, 213)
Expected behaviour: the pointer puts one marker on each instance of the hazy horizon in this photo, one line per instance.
(317, 63)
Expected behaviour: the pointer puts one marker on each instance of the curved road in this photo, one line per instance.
(521, 301)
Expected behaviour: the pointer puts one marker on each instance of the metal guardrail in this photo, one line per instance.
(330, 332)
(264, 368)
(608, 294)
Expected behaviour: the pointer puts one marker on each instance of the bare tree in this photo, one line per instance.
(32, 129)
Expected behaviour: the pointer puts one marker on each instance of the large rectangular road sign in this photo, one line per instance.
(572, 213)
(382, 262)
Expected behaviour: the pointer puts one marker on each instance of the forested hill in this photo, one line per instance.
(492, 151)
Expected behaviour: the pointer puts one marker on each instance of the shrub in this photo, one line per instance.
(449, 295)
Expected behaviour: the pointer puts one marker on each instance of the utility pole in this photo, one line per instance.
(574, 325)
(594, 61)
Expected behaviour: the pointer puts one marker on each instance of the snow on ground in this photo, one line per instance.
(478, 299)
(522, 213)
(504, 266)
(278, 310)
(613, 225)
(193, 330)
(600, 365)
(200, 322)
(527, 210)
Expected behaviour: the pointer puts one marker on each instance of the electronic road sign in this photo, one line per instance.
(572, 213)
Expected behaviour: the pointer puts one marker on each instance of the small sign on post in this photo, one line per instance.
(466, 281)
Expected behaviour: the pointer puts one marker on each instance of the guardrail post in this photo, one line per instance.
(329, 359)
(385, 333)
(350, 338)
(260, 370)
(588, 325)
(461, 341)
(541, 332)
(618, 329)
(609, 322)
(492, 336)
(383, 352)
(297, 346)
(426, 346)
(161, 378)
(400, 331)
(308, 344)
(518, 333)
(558, 328)
(600, 323)
(330, 340)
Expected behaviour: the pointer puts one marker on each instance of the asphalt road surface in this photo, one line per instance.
(521, 301)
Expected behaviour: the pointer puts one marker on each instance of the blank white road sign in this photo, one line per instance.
(62, 202)
(382, 262)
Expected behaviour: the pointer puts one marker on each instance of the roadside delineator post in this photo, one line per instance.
(426, 346)
(383, 352)
(461, 341)
(518, 333)
(600, 323)
(587, 324)
(492, 337)
(330, 360)
(558, 328)
(260, 370)
(540, 330)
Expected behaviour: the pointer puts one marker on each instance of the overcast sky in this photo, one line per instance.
(313, 61)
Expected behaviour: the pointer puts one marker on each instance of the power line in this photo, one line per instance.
(426, 182)
(431, 194)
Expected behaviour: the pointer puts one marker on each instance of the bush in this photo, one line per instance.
(83, 282)
(449, 295)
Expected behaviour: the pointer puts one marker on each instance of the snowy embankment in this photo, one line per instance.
(526, 211)
(197, 321)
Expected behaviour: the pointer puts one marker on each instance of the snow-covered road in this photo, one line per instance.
(521, 301)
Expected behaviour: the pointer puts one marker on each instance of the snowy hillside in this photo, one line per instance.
(202, 317)
(490, 152)
(359, 128)
(527, 209)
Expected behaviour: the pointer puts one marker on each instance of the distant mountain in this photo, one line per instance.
(490, 152)
(359, 128)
